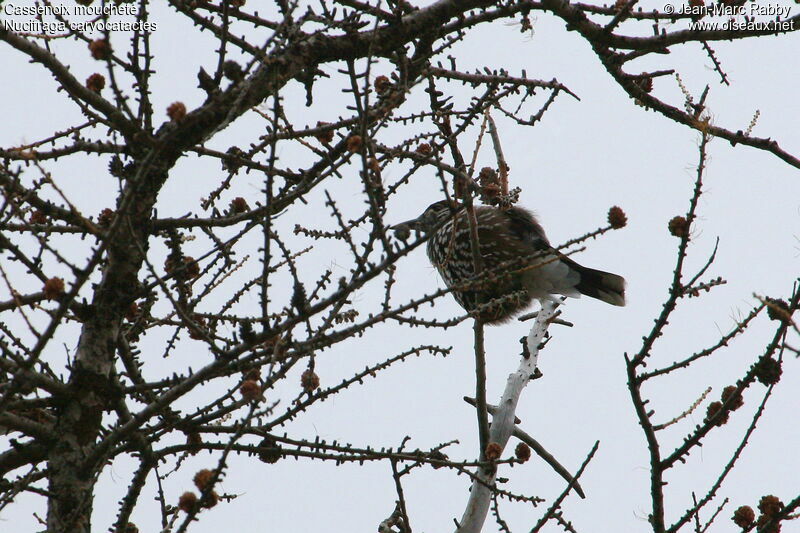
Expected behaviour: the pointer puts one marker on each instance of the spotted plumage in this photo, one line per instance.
(519, 265)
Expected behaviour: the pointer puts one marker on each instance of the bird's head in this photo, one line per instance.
(433, 216)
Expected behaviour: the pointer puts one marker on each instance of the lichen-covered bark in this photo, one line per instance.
(72, 474)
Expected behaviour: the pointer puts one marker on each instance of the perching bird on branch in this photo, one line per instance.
(519, 265)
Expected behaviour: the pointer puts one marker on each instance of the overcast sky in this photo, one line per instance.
(584, 157)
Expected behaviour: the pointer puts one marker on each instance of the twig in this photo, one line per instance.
(537, 447)
(551, 512)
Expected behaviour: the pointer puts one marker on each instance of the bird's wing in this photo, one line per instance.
(527, 229)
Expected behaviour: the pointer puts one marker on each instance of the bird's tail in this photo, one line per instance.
(604, 286)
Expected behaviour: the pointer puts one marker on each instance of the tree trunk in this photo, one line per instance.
(72, 469)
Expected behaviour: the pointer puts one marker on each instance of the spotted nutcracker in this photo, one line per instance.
(519, 265)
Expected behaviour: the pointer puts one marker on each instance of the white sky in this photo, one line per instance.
(581, 159)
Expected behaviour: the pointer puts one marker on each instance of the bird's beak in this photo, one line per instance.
(410, 224)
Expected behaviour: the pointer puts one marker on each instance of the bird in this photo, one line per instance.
(519, 264)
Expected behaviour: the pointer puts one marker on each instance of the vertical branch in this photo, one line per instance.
(401, 499)
(267, 220)
(480, 495)
(677, 288)
(478, 143)
(141, 38)
(480, 388)
(502, 166)
(462, 190)
(656, 484)
(223, 41)
(633, 364)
